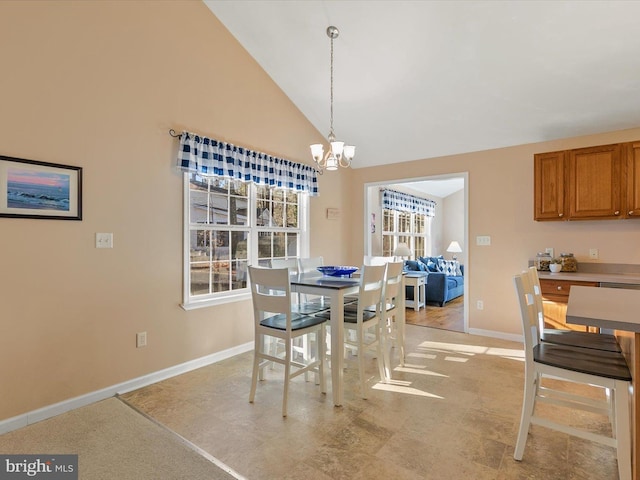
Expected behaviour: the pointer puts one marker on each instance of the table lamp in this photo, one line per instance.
(402, 250)
(454, 247)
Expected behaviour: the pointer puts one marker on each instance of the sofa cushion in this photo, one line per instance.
(431, 263)
(412, 265)
(455, 281)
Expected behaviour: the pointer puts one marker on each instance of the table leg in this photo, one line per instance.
(337, 346)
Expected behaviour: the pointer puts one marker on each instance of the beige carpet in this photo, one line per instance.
(114, 441)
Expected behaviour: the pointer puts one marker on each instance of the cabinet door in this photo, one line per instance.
(595, 182)
(633, 181)
(548, 171)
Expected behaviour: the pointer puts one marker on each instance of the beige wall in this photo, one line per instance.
(501, 205)
(453, 212)
(98, 85)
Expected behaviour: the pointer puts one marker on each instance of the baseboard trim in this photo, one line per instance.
(49, 411)
(495, 334)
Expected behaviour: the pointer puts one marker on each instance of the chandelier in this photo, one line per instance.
(339, 154)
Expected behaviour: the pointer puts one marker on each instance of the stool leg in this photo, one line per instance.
(623, 431)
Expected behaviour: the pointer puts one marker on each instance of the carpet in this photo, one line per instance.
(114, 441)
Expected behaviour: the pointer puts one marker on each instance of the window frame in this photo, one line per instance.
(408, 237)
(189, 301)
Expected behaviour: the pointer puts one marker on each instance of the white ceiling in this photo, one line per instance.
(421, 79)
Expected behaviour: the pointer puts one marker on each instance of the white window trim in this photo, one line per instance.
(189, 303)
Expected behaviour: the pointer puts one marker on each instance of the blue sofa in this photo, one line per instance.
(441, 287)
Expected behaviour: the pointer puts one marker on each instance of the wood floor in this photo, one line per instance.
(449, 317)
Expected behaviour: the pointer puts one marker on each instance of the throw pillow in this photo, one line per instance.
(422, 266)
(432, 266)
(450, 267)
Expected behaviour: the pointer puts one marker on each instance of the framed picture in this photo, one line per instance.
(32, 189)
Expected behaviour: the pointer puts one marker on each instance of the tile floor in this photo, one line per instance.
(452, 413)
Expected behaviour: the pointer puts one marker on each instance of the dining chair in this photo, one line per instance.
(364, 320)
(596, 368)
(273, 318)
(377, 260)
(303, 304)
(310, 264)
(393, 320)
(598, 341)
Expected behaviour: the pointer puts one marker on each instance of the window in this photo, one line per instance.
(230, 224)
(414, 229)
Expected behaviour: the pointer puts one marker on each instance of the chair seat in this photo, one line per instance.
(597, 341)
(350, 317)
(592, 362)
(298, 321)
(353, 307)
(310, 308)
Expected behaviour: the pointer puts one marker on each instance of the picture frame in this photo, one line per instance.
(42, 190)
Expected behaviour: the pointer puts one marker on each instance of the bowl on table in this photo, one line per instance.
(337, 270)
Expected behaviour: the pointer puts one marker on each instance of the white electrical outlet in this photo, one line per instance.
(480, 305)
(141, 339)
(549, 251)
(593, 253)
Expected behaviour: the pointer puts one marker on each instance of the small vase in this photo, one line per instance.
(555, 267)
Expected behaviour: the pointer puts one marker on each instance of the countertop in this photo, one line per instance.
(628, 278)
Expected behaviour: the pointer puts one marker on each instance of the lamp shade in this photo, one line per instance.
(454, 247)
(402, 250)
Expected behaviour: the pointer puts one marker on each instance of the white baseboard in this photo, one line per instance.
(49, 411)
(494, 334)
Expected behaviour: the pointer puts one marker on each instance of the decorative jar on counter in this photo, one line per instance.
(569, 262)
(542, 261)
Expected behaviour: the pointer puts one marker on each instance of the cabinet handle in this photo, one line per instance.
(560, 214)
(630, 212)
(617, 212)
(559, 287)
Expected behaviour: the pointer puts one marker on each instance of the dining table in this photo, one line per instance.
(613, 309)
(336, 289)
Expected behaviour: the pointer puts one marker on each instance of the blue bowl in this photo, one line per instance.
(337, 270)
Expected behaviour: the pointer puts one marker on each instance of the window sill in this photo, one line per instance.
(212, 302)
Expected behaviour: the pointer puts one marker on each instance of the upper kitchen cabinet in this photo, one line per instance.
(595, 182)
(588, 183)
(549, 185)
(633, 179)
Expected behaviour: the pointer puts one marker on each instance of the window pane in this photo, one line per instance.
(218, 209)
(292, 244)
(264, 245)
(239, 189)
(198, 202)
(292, 216)
(278, 214)
(239, 209)
(279, 244)
(387, 245)
(200, 245)
(404, 222)
(200, 278)
(197, 182)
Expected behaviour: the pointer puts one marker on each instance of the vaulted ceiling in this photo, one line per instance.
(421, 79)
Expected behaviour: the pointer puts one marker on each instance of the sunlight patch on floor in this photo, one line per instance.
(420, 372)
(403, 389)
(456, 359)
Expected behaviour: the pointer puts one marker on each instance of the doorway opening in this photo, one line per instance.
(449, 224)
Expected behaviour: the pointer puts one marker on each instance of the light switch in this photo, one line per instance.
(483, 240)
(104, 240)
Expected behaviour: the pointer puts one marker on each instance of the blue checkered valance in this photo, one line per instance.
(207, 156)
(404, 202)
